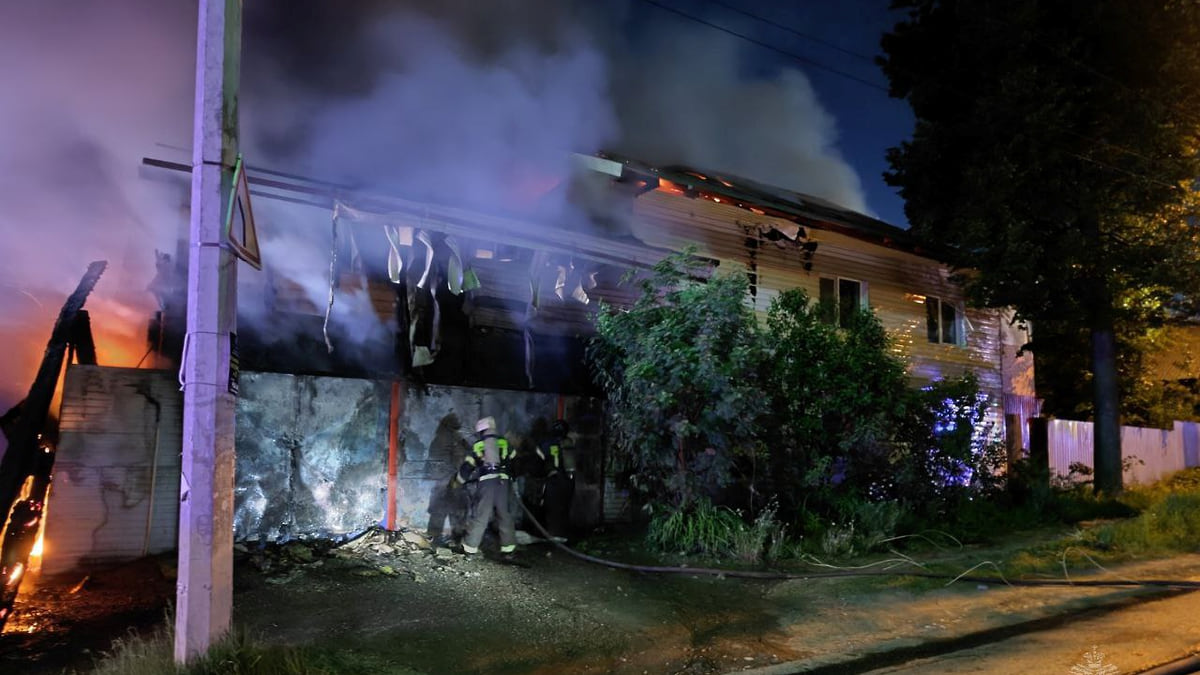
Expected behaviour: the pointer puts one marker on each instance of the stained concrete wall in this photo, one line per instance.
(311, 458)
(437, 429)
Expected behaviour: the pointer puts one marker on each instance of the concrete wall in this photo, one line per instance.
(436, 431)
(312, 456)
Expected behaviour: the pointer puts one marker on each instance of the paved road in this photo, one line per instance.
(1125, 641)
(1073, 631)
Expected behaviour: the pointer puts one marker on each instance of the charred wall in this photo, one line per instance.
(312, 457)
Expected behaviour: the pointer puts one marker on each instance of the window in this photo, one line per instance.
(841, 298)
(943, 322)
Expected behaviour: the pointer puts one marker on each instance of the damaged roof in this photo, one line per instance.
(774, 201)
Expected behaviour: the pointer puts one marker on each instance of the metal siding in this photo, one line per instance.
(891, 276)
(99, 499)
(1150, 454)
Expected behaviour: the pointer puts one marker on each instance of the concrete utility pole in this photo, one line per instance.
(204, 596)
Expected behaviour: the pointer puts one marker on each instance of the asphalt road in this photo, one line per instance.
(1138, 634)
(1132, 639)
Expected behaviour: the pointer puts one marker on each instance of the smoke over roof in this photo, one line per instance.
(454, 100)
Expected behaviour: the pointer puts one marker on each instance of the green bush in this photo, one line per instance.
(699, 527)
(679, 369)
(765, 537)
(836, 394)
(815, 417)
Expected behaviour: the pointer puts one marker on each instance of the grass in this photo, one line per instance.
(237, 654)
(1069, 530)
(1145, 522)
(719, 532)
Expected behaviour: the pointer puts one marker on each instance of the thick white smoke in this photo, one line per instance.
(457, 101)
(688, 101)
(88, 88)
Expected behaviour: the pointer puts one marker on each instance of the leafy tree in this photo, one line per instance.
(680, 370)
(1054, 157)
(1146, 399)
(837, 396)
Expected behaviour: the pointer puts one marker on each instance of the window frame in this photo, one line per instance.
(959, 325)
(837, 318)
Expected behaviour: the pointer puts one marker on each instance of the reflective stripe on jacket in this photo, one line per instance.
(497, 470)
(556, 456)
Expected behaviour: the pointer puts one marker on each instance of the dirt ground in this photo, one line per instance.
(396, 605)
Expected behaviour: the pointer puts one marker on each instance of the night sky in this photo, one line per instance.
(841, 36)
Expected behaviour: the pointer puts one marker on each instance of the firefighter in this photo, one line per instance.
(558, 458)
(488, 463)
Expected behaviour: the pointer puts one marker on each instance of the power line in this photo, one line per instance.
(793, 31)
(767, 45)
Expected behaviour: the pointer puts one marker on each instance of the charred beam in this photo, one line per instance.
(24, 457)
(21, 456)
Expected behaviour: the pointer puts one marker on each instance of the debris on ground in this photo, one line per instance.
(376, 552)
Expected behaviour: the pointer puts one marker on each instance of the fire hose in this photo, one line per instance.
(770, 575)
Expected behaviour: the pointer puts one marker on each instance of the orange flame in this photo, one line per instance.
(667, 186)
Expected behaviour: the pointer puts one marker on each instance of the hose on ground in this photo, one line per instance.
(1171, 584)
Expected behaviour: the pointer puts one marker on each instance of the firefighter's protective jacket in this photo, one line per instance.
(556, 456)
(489, 459)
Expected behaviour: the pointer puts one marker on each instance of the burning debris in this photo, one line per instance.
(25, 468)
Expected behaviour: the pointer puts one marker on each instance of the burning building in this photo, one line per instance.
(356, 395)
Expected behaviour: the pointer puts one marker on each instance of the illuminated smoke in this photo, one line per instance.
(89, 88)
(476, 103)
(686, 101)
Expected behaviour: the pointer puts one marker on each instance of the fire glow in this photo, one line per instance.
(667, 186)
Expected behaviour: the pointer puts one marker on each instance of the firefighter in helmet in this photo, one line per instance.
(488, 463)
(558, 458)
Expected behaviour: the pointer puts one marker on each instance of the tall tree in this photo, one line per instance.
(1054, 161)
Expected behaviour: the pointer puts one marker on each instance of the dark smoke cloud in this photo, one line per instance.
(480, 103)
(585, 75)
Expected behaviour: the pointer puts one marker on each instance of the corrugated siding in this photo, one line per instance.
(618, 505)
(100, 497)
(1149, 454)
(894, 280)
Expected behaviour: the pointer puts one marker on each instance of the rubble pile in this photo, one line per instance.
(376, 552)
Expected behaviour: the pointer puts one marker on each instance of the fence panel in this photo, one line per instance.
(1148, 454)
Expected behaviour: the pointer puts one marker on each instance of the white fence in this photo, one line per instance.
(1148, 454)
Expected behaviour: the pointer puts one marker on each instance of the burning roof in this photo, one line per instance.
(757, 197)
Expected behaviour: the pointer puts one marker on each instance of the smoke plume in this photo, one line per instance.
(461, 102)
(89, 87)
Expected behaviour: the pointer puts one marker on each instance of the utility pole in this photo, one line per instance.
(204, 594)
